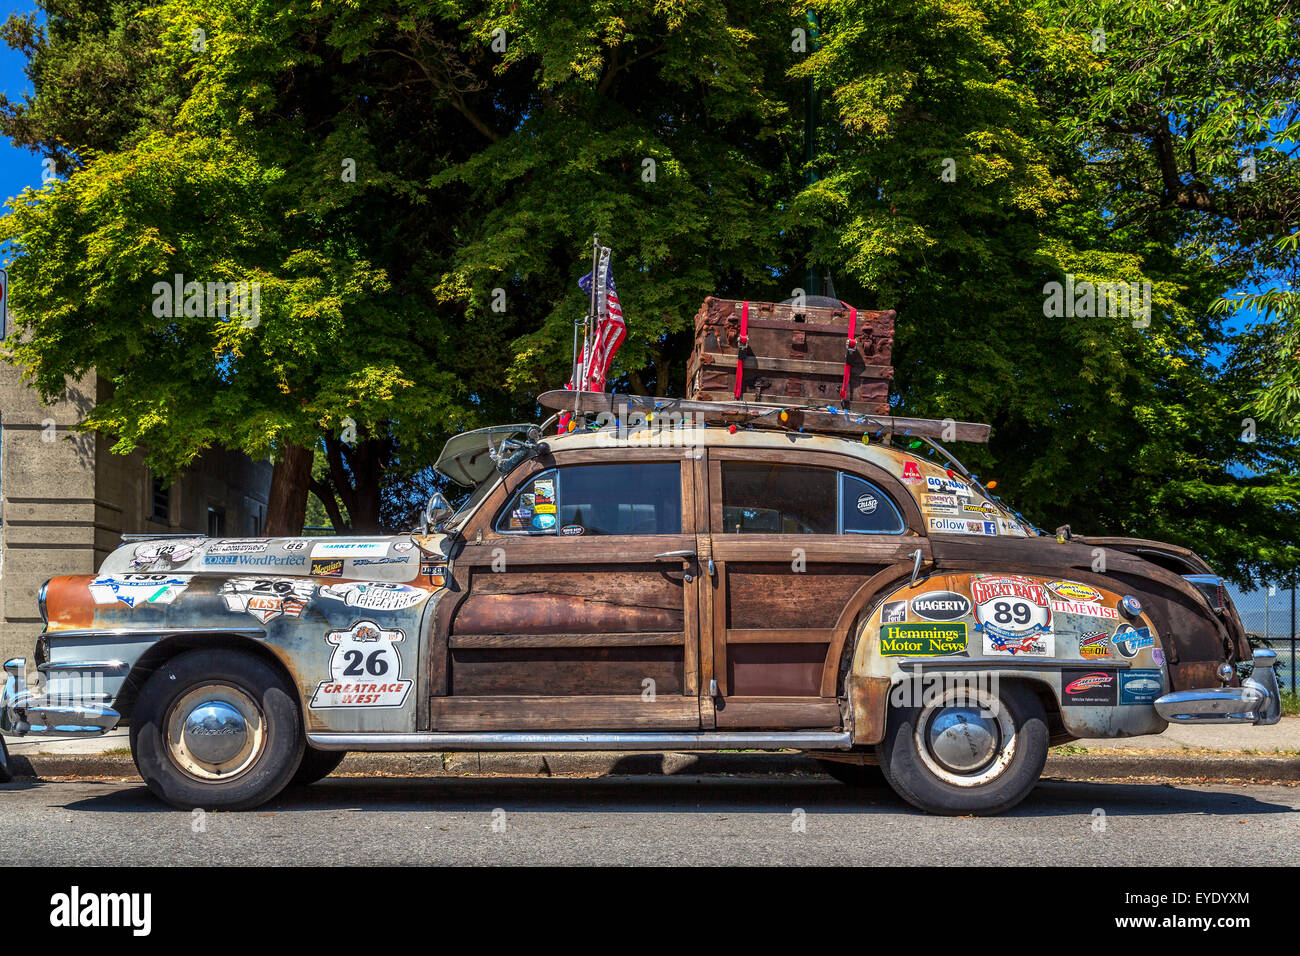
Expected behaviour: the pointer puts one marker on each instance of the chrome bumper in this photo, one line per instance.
(1256, 701)
(71, 708)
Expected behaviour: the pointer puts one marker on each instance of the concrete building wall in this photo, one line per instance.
(66, 499)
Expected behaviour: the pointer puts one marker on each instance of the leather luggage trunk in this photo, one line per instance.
(792, 356)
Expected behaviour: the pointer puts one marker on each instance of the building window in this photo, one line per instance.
(216, 522)
(255, 524)
(162, 501)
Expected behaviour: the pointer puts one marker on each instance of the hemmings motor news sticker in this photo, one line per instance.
(365, 669)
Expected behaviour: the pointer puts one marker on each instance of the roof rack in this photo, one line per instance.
(135, 538)
(828, 420)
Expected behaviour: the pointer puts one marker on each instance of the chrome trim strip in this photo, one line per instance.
(155, 631)
(1008, 663)
(523, 740)
(81, 666)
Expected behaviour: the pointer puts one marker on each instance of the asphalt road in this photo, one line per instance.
(640, 821)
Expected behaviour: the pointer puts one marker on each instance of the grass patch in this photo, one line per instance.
(1068, 749)
(1290, 704)
(118, 752)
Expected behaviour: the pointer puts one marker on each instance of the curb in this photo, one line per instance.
(634, 764)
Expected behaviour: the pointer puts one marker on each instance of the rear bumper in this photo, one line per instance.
(73, 706)
(1256, 701)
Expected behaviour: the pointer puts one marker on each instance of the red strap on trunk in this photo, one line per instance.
(741, 344)
(853, 328)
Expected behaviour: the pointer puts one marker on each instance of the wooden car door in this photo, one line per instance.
(800, 542)
(578, 600)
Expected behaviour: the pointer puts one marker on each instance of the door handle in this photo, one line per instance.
(684, 555)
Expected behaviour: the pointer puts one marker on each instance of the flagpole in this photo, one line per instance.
(591, 313)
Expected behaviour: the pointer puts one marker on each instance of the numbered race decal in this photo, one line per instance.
(374, 595)
(1014, 615)
(265, 598)
(170, 554)
(136, 589)
(365, 669)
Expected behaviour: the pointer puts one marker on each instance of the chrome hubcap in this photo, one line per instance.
(215, 732)
(966, 737)
(962, 740)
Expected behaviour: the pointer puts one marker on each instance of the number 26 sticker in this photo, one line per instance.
(365, 669)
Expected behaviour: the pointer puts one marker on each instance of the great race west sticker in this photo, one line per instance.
(922, 640)
(365, 669)
(1085, 688)
(267, 599)
(1140, 686)
(1013, 614)
(375, 596)
(136, 589)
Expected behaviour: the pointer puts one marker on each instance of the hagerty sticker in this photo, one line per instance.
(365, 669)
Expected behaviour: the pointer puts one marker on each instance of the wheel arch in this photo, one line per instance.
(174, 645)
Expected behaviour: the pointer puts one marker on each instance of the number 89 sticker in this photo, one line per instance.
(365, 669)
(1014, 613)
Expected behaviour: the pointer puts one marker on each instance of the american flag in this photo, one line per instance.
(609, 331)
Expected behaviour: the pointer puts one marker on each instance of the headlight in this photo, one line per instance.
(40, 601)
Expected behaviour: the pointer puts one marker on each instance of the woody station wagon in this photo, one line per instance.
(667, 575)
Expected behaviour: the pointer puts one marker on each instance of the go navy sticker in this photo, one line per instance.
(1139, 686)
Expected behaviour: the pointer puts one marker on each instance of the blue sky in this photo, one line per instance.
(18, 167)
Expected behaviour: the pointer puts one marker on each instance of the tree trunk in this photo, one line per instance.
(287, 508)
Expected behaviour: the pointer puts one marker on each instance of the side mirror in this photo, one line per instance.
(436, 513)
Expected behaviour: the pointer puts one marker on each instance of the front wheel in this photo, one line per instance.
(966, 750)
(218, 729)
(316, 765)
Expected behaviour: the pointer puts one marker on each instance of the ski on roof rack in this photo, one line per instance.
(829, 420)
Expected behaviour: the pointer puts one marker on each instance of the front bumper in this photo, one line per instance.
(74, 705)
(1256, 701)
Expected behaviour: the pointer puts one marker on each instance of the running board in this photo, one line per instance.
(806, 740)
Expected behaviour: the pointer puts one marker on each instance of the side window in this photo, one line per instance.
(598, 499)
(761, 498)
(865, 509)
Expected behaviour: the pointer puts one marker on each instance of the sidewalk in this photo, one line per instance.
(1211, 752)
(1281, 738)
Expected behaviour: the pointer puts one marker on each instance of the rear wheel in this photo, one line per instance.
(316, 765)
(967, 751)
(216, 729)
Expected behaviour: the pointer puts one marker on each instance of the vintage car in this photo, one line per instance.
(663, 575)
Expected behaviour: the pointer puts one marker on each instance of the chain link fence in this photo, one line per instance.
(1270, 616)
